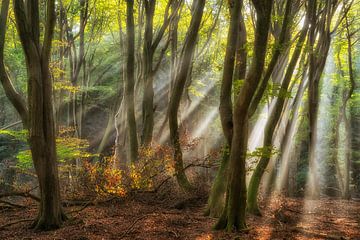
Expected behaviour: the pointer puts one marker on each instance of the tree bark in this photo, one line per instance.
(151, 43)
(235, 49)
(177, 91)
(347, 123)
(130, 81)
(233, 216)
(252, 204)
(42, 129)
(317, 59)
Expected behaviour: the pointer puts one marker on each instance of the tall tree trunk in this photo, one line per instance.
(177, 91)
(151, 43)
(313, 92)
(233, 216)
(317, 59)
(286, 141)
(252, 204)
(42, 129)
(347, 123)
(148, 55)
(234, 50)
(130, 81)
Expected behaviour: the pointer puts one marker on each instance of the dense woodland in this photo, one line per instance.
(179, 119)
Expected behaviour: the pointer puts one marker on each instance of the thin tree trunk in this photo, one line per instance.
(234, 50)
(151, 43)
(177, 91)
(252, 203)
(130, 81)
(14, 97)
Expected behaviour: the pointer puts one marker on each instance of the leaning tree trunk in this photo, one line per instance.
(177, 91)
(42, 129)
(252, 204)
(233, 216)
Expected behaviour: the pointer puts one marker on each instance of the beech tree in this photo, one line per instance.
(151, 44)
(234, 52)
(178, 88)
(130, 81)
(41, 119)
(233, 216)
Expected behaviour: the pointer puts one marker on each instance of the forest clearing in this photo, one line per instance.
(180, 119)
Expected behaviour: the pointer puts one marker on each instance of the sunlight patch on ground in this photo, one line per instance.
(205, 237)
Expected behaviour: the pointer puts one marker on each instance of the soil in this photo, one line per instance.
(147, 218)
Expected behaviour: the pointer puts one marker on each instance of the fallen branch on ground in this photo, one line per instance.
(12, 204)
(16, 222)
(131, 227)
(25, 194)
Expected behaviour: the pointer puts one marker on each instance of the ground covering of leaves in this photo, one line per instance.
(148, 217)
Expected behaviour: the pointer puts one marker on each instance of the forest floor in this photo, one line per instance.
(148, 218)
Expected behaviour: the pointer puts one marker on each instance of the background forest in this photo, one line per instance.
(229, 103)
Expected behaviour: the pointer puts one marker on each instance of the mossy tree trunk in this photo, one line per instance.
(234, 69)
(233, 215)
(178, 89)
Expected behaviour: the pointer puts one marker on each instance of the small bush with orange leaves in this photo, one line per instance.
(155, 164)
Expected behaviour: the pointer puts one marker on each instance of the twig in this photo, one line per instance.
(11, 125)
(131, 227)
(81, 209)
(12, 204)
(91, 203)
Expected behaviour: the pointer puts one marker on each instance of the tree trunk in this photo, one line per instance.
(274, 118)
(177, 91)
(130, 81)
(347, 123)
(42, 129)
(148, 56)
(151, 43)
(317, 59)
(235, 49)
(233, 216)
